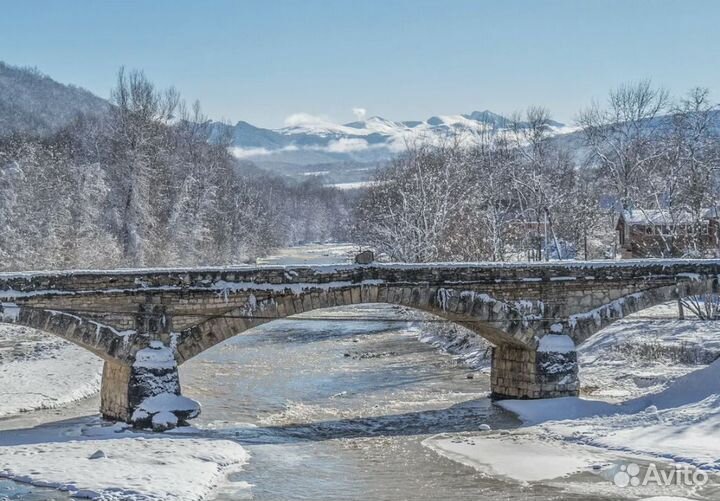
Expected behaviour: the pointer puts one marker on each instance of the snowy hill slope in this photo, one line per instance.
(35, 103)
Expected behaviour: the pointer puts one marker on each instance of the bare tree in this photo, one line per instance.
(622, 138)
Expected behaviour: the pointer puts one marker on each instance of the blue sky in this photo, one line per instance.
(261, 61)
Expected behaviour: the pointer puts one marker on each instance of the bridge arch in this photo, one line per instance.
(104, 341)
(101, 340)
(581, 325)
(498, 322)
(512, 327)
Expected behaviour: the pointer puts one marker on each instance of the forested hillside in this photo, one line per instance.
(33, 103)
(139, 185)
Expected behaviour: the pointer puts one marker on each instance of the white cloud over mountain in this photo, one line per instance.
(359, 113)
(305, 119)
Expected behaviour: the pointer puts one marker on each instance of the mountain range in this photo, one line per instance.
(306, 147)
(32, 102)
(308, 140)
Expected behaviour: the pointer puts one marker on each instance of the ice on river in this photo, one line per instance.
(517, 456)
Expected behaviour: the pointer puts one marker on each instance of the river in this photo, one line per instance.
(333, 409)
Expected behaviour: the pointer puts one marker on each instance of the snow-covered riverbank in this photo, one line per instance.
(41, 371)
(90, 459)
(85, 457)
(650, 393)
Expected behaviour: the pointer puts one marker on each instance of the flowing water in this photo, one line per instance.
(339, 409)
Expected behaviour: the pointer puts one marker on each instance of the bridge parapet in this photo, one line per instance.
(28, 284)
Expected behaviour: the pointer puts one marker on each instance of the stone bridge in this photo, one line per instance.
(533, 313)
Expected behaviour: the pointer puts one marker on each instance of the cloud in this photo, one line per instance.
(359, 113)
(297, 119)
(346, 145)
(239, 152)
(342, 145)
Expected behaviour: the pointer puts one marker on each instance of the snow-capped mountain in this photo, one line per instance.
(307, 140)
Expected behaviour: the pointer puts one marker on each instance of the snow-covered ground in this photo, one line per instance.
(353, 185)
(651, 393)
(644, 352)
(467, 347)
(40, 371)
(93, 460)
(317, 253)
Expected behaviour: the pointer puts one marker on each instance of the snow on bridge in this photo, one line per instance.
(533, 313)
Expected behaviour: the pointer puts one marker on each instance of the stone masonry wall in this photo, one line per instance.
(117, 313)
(524, 374)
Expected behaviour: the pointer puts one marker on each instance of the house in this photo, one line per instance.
(666, 233)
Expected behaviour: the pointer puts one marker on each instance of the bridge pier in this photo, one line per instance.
(146, 394)
(145, 390)
(519, 373)
(114, 402)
